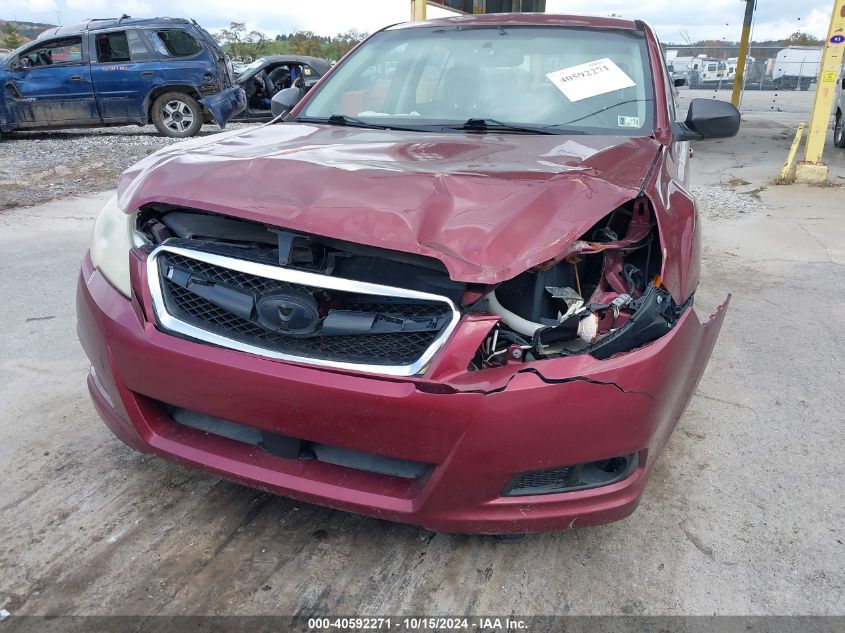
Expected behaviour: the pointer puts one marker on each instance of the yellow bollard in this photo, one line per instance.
(787, 174)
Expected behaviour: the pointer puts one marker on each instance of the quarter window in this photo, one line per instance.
(176, 43)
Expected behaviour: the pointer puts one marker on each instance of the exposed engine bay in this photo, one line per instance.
(601, 296)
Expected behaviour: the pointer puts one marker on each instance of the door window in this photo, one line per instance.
(176, 43)
(112, 47)
(57, 52)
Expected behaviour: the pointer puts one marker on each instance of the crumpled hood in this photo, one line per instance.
(489, 206)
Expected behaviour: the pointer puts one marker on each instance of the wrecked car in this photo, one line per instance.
(266, 76)
(453, 288)
(164, 71)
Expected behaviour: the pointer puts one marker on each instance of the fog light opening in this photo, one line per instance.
(571, 478)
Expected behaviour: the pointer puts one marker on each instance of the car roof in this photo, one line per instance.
(525, 19)
(98, 24)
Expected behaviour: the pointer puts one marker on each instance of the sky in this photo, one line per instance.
(674, 20)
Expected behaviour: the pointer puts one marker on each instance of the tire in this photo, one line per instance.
(177, 115)
(839, 131)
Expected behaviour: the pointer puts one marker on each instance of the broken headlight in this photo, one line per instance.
(110, 245)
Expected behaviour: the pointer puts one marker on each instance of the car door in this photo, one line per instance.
(124, 70)
(51, 85)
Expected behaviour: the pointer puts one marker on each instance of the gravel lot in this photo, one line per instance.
(40, 166)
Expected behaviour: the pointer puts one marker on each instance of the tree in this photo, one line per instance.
(241, 44)
(342, 43)
(799, 38)
(256, 43)
(233, 38)
(11, 38)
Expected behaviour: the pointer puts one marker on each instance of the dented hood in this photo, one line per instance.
(489, 206)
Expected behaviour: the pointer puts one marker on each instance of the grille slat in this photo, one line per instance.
(399, 348)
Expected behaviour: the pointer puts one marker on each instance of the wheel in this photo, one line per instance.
(839, 131)
(177, 114)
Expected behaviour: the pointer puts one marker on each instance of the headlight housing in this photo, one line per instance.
(110, 245)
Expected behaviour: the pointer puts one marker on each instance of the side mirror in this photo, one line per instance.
(680, 81)
(707, 118)
(284, 100)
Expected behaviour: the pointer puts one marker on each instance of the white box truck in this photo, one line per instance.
(796, 67)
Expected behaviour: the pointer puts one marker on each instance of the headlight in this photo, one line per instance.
(110, 245)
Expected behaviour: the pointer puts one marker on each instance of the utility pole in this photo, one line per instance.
(743, 52)
(812, 169)
(418, 9)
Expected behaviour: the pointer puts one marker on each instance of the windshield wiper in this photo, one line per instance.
(490, 125)
(351, 121)
(604, 109)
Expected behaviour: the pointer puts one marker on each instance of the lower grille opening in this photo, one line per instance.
(570, 478)
(295, 448)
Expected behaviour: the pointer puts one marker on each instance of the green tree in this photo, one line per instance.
(242, 44)
(11, 37)
(233, 38)
(799, 38)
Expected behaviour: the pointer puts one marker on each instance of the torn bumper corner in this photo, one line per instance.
(225, 104)
(565, 411)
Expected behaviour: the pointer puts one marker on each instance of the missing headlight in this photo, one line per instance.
(602, 296)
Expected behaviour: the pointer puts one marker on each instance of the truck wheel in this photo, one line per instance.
(177, 115)
(839, 131)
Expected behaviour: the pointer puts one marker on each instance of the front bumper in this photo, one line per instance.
(476, 429)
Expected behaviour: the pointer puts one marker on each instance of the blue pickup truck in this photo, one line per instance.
(165, 71)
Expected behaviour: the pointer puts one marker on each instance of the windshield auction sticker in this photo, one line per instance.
(589, 80)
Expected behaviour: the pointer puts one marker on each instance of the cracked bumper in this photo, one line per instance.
(476, 429)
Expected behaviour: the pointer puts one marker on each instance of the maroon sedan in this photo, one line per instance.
(452, 288)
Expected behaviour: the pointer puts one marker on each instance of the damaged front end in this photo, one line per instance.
(602, 296)
(292, 296)
(533, 404)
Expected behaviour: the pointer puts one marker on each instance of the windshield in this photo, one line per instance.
(258, 63)
(565, 80)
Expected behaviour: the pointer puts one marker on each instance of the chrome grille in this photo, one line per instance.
(396, 353)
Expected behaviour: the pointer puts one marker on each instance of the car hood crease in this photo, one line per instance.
(489, 206)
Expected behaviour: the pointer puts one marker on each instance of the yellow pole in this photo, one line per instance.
(812, 169)
(786, 175)
(743, 52)
(418, 9)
